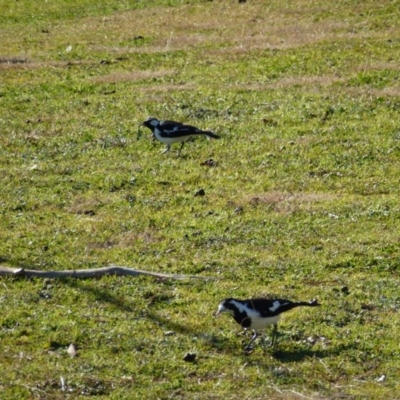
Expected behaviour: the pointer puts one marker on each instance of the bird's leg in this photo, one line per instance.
(274, 335)
(248, 347)
(263, 341)
(182, 144)
(166, 149)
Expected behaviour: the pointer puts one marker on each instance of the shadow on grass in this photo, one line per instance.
(283, 355)
(300, 354)
(101, 294)
(107, 296)
(170, 324)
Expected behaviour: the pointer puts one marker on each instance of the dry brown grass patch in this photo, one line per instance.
(364, 92)
(274, 197)
(131, 238)
(283, 202)
(34, 64)
(7, 62)
(83, 206)
(132, 76)
(393, 91)
(290, 81)
(236, 28)
(379, 66)
(324, 80)
(166, 88)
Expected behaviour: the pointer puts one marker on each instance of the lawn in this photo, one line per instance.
(301, 197)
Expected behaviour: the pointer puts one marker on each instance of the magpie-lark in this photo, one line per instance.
(170, 132)
(256, 314)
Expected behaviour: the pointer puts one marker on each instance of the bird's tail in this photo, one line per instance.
(210, 134)
(312, 303)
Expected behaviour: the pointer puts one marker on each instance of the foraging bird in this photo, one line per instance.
(256, 314)
(170, 132)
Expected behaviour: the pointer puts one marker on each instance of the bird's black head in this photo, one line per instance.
(226, 305)
(151, 123)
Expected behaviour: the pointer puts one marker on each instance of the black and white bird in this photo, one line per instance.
(256, 314)
(170, 132)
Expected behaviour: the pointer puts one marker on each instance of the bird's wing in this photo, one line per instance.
(261, 305)
(170, 124)
(176, 129)
(271, 307)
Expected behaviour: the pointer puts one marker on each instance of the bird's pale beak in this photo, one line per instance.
(220, 310)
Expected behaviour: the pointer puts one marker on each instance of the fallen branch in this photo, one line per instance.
(90, 273)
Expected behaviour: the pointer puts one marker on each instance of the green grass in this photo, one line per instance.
(302, 204)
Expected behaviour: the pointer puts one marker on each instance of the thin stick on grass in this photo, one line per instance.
(91, 273)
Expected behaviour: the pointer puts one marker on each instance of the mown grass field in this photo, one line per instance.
(302, 201)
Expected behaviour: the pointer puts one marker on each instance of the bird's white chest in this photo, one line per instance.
(258, 323)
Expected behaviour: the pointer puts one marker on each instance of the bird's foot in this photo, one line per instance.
(248, 349)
